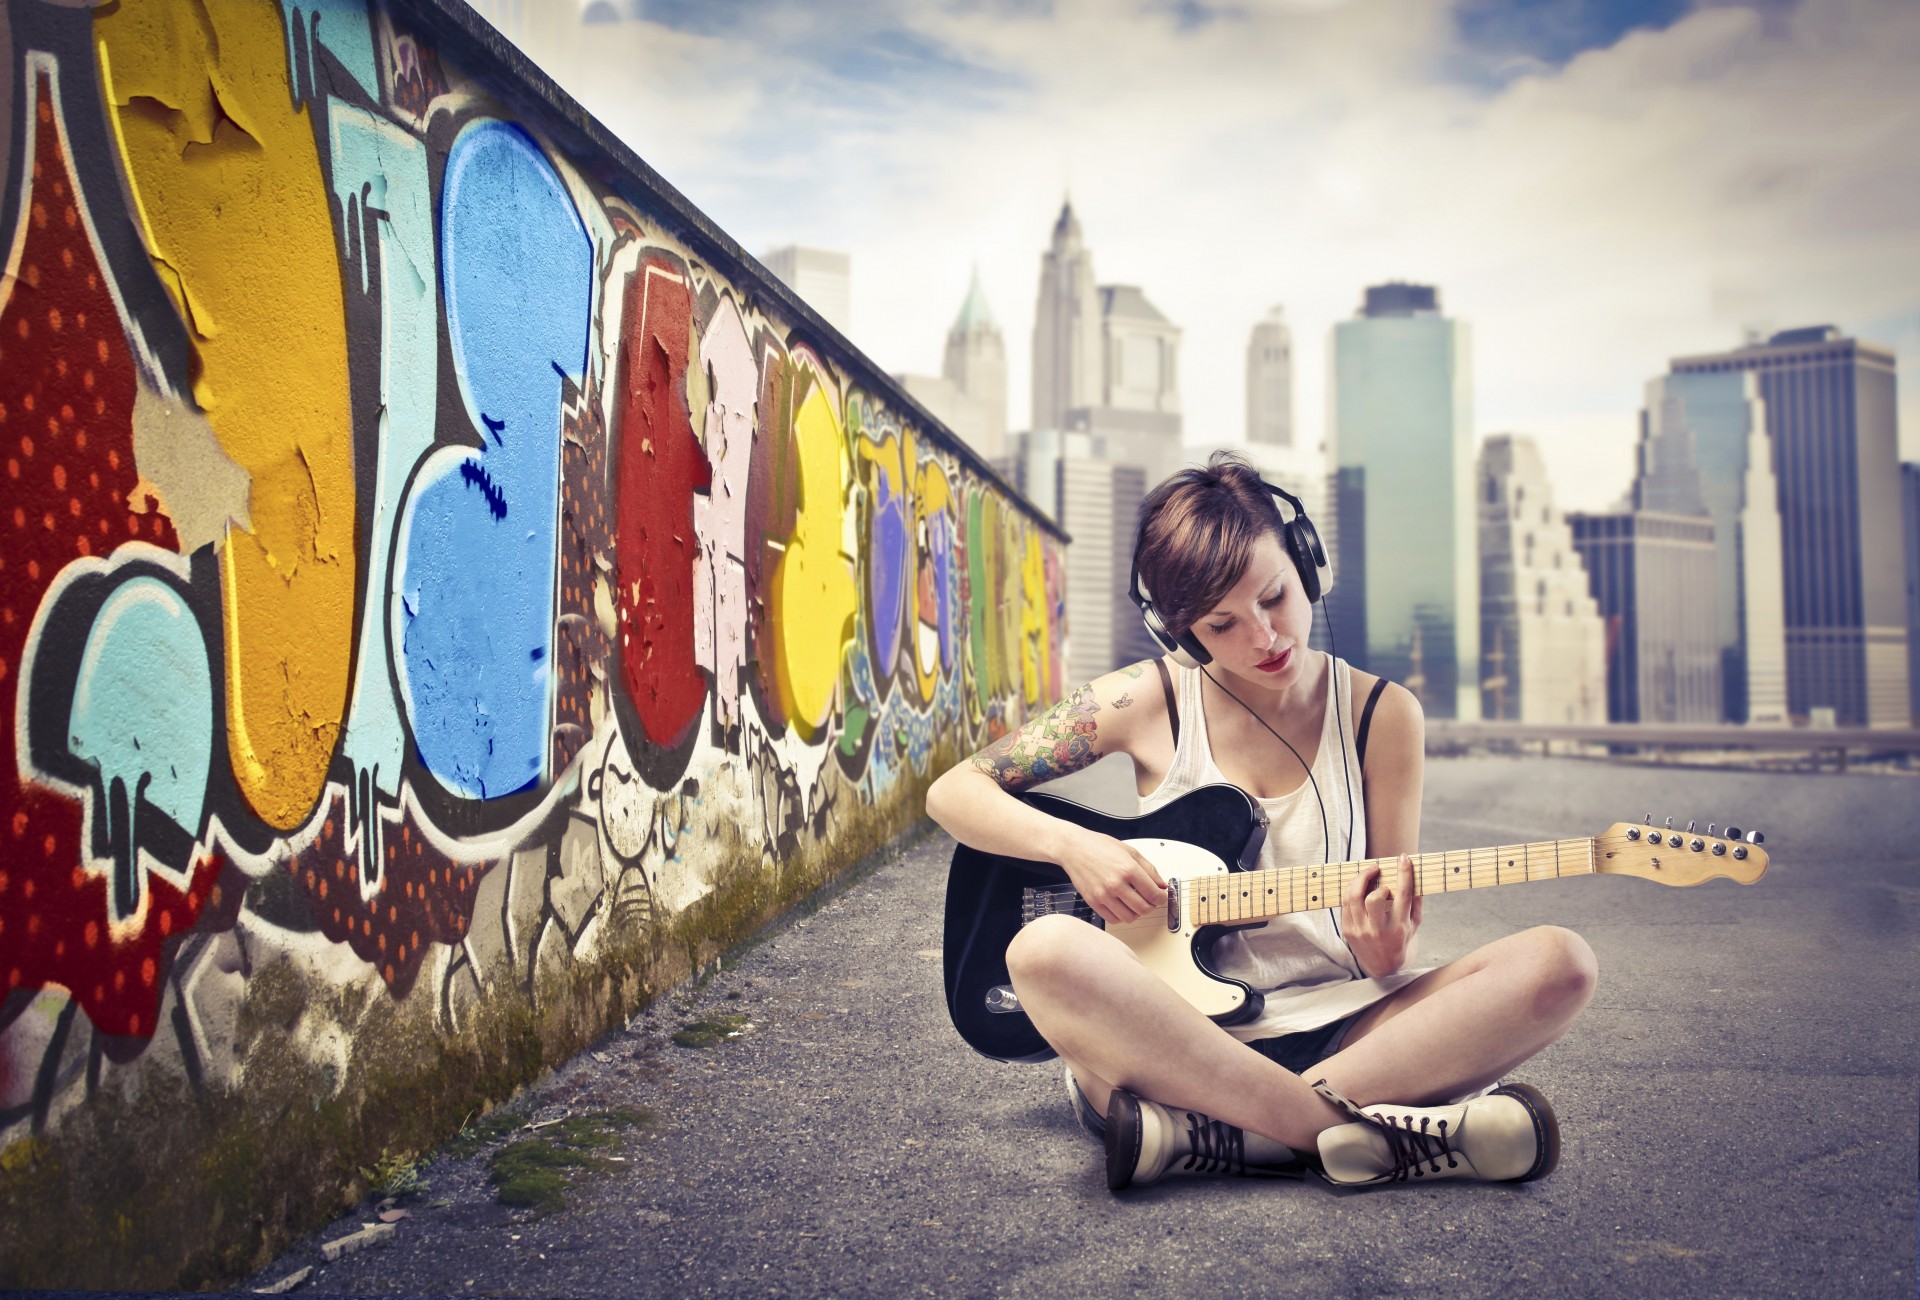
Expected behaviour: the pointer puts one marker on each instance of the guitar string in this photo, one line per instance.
(1482, 869)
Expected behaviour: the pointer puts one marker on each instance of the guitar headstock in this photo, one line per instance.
(1680, 857)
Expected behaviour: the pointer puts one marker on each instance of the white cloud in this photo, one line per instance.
(1644, 201)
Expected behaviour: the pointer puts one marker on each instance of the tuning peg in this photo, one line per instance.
(1733, 832)
(1648, 821)
(1669, 823)
(1755, 837)
(1689, 825)
(1709, 828)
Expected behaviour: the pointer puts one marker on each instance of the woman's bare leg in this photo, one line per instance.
(1461, 1027)
(1450, 1032)
(1119, 1025)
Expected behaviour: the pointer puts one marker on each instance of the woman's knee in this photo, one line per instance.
(1049, 951)
(1563, 968)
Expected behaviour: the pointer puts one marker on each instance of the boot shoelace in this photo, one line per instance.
(1214, 1147)
(1412, 1148)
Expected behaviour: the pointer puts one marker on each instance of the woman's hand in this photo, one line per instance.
(1114, 879)
(1378, 918)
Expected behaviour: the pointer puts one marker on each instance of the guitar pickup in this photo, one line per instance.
(1053, 900)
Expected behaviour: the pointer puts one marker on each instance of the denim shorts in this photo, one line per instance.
(1298, 1053)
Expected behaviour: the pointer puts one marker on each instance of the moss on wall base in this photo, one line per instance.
(154, 1184)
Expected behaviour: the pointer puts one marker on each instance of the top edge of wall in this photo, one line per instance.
(527, 84)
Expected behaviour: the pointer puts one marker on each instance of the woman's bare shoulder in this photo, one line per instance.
(1109, 714)
(1399, 724)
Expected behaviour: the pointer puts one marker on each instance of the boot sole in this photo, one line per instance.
(1546, 1130)
(1123, 1139)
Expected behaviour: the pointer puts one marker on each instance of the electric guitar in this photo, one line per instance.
(1206, 845)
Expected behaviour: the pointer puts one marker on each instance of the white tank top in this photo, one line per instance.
(1299, 962)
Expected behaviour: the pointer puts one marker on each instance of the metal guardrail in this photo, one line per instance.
(1447, 733)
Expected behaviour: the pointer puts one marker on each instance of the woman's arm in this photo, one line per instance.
(1380, 913)
(974, 801)
(1395, 773)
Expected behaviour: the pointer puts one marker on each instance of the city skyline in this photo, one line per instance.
(1633, 193)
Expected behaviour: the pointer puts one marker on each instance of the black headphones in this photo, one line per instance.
(1301, 541)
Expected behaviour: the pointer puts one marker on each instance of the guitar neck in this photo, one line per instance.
(1259, 895)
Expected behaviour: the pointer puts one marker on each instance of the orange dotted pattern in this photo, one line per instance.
(424, 897)
(67, 386)
(586, 539)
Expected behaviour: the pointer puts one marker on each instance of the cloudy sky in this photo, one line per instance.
(1595, 185)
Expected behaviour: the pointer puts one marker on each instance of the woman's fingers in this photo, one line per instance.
(1146, 865)
(1404, 899)
(1137, 890)
(1355, 899)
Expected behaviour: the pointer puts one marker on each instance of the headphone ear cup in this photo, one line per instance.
(1303, 548)
(1191, 653)
(1185, 651)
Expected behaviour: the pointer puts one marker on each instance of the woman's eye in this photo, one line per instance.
(1218, 628)
(1273, 600)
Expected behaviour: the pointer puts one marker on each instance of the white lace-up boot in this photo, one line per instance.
(1508, 1136)
(1147, 1141)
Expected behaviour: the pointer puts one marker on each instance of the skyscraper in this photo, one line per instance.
(1704, 450)
(1910, 498)
(1407, 596)
(822, 278)
(969, 396)
(1270, 382)
(1830, 411)
(976, 364)
(1106, 412)
(1066, 327)
(1136, 419)
(1097, 501)
(1652, 577)
(1543, 649)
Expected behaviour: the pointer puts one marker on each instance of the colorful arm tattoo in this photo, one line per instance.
(1057, 742)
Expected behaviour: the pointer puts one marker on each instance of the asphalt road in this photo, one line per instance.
(1738, 1105)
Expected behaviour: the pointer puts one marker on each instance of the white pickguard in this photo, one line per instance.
(1169, 953)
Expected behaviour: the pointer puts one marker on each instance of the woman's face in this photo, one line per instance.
(1258, 631)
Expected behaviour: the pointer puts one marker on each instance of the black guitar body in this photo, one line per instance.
(985, 892)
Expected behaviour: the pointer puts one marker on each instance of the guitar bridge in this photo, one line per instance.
(1053, 900)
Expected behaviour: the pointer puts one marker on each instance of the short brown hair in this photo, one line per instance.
(1196, 537)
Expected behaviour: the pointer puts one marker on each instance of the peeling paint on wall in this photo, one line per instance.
(423, 580)
(228, 189)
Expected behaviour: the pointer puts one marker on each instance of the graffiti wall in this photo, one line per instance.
(429, 563)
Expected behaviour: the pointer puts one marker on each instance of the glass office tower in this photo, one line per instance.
(1406, 601)
(1910, 496)
(1653, 578)
(1830, 409)
(1704, 449)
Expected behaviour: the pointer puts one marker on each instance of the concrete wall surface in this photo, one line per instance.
(448, 593)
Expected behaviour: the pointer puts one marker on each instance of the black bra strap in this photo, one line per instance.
(1173, 710)
(1366, 720)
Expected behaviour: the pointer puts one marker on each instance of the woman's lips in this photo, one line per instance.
(1276, 663)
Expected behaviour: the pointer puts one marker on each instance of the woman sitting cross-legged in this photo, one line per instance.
(1360, 1065)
